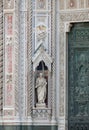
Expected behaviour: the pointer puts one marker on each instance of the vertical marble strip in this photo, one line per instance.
(29, 62)
(61, 108)
(8, 60)
(9, 25)
(1, 57)
(8, 89)
(16, 55)
(57, 60)
(11, 57)
(22, 59)
(53, 25)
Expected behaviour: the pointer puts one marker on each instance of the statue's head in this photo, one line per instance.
(41, 74)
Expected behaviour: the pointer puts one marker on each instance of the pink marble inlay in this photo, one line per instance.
(9, 88)
(9, 99)
(9, 25)
(9, 58)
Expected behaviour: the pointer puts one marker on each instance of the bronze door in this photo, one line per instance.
(78, 77)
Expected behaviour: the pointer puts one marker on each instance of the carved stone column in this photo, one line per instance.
(29, 60)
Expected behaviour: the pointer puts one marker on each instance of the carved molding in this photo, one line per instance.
(8, 81)
(41, 114)
(1, 57)
(29, 61)
(53, 40)
(23, 59)
(40, 55)
(61, 53)
(74, 16)
(16, 50)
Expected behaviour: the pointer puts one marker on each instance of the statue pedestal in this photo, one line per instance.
(41, 105)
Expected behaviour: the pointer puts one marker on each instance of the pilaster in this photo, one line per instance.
(29, 61)
(53, 42)
(10, 21)
(23, 59)
(1, 57)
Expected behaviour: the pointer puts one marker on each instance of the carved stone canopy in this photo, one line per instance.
(41, 55)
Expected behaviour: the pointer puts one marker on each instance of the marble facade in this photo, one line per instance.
(32, 31)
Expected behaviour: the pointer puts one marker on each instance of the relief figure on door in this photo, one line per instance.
(82, 85)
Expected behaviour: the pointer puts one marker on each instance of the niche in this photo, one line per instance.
(41, 88)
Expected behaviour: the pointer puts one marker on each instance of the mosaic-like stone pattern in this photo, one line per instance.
(16, 58)
(1, 57)
(29, 62)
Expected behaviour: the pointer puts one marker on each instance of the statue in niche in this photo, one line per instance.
(41, 85)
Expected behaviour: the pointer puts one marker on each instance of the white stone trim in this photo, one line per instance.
(66, 17)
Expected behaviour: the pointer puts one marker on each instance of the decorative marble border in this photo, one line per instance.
(29, 62)
(1, 57)
(9, 87)
(65, 20)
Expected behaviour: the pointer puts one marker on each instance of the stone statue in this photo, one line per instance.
(41, 85)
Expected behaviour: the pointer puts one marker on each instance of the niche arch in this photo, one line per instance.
(42, 63)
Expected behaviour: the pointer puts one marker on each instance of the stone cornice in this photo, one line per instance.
(74, 16)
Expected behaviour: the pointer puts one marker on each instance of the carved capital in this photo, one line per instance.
(68, 27)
